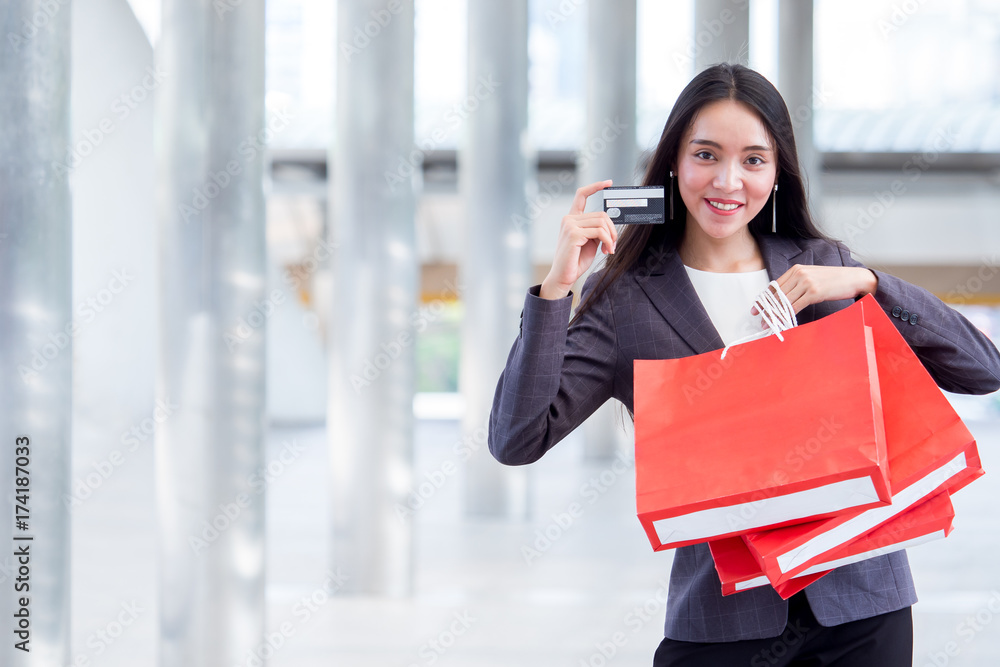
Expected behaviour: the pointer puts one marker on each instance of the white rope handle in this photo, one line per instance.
(776, 311)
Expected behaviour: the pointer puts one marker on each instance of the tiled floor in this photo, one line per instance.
(477, 601)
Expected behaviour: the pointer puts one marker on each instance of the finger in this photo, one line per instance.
(784, 279)
(598, 219)
(799, 296)
(756, 311)
(592, 219)
(580, 200)
(597, 232)
(799, 304)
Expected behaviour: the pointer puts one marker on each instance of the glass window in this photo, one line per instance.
(908, 75)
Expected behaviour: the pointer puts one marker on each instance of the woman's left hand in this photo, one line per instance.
(805, 285)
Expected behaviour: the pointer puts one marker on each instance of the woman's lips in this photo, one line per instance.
(719, 211)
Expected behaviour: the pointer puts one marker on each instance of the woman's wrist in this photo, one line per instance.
(550, 291)
(869, 282)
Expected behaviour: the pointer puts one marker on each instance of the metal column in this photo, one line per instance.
(795, 81)
(210, 133)
(372, 341)
(609, 151)
(495, 266)
(36, 329)
(721, 32)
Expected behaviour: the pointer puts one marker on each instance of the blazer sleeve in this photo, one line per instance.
(959, 357)
(556, 376)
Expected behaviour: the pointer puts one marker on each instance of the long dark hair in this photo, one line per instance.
(726, 81)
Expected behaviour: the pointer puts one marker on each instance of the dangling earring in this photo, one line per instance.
(671, 195)
(774, 211)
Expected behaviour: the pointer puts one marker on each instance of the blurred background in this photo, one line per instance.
(264, 263)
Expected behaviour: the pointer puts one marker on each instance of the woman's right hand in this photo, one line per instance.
(579, 235)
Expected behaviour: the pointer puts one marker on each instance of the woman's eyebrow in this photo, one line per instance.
(709, 142)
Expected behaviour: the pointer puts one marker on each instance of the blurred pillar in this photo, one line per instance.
(372, 369)
(795, 81)
(609, 151)
(721, 32)
(495, 267)
(213, 310)
(36, 326)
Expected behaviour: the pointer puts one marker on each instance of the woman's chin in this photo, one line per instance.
(723, 229)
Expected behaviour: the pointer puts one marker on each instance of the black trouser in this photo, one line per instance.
(880, 641)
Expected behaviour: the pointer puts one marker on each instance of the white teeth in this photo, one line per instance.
(722, 207)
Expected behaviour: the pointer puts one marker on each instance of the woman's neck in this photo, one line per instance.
(734, 254)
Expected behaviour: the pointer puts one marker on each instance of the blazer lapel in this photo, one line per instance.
(667, 285)
(780, 253)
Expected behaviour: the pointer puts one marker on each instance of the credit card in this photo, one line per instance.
(634, 205)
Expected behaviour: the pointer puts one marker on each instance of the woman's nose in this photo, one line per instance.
(727, 178)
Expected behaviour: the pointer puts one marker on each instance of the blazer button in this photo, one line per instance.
(905, 315)
(896, 311)
(913, 318)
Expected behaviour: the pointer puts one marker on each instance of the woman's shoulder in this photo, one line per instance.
(824, 249)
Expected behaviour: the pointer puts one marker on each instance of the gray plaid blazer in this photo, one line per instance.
(557, 376)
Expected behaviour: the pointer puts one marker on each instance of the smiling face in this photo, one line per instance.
(726, 169)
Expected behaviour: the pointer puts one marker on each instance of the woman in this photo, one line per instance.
(740, 219)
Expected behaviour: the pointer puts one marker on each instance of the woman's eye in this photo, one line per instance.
(704, 155)
(759, 161)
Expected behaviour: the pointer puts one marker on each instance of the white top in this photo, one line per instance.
(727, 298)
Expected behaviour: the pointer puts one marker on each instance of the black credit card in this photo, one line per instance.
(634, 205)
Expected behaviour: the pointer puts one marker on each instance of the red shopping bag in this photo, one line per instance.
(739, 571)
(930, 520)
(930, 450)
(777, 432)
